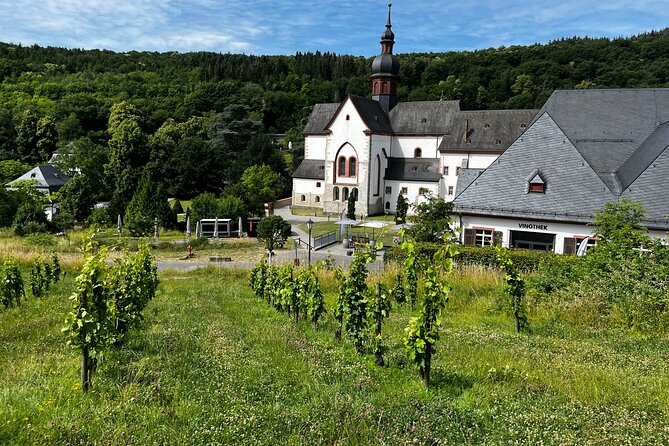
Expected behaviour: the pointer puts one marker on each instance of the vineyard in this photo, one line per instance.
(213, 360)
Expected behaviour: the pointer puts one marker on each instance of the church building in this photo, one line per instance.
(377, 148)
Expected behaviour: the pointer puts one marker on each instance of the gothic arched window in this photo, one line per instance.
(341, 171)
(344, 194)
(335, 193)
(352, 166)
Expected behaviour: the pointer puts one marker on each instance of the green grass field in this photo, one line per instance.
(212, 364)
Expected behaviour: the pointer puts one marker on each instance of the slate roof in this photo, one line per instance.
(320, 117)
(413, 169)
(310, 169)
(406, 118)
(466, 177)
(47, 177)
(479, 131)
(424, 117)
(650, 189)
(373, 114)
(608, 126)
(590, 148)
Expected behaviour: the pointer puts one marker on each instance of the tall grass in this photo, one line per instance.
(213, 364)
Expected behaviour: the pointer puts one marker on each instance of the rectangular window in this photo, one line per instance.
(446, 170)
(389, 190)
(404, 191)
(457, 171)
(423, 190)
(450, 190)
(483, 237)
(318, 184)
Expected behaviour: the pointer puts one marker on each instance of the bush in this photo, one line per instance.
(526, 261)
(39, 239)
(199, 242)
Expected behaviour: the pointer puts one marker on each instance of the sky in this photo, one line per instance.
(343, 27)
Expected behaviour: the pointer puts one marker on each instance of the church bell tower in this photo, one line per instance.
(385, 69)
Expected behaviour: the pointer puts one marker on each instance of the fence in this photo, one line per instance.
(325, 240)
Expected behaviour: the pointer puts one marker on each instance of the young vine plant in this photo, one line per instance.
(515, 289)
(422, 332)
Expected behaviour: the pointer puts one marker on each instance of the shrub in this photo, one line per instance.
(39, 239)
(526, 261)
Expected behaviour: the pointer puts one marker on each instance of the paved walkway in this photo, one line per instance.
(335, 252)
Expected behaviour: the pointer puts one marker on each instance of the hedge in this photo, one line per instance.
(480, 256)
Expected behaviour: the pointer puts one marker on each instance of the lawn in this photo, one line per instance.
(212, 364)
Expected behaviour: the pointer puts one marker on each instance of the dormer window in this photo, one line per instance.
(537, 185)
(522, 126)
(487, 126)
(423, 120)
(498, 141)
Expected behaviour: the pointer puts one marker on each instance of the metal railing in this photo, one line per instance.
(325, 240)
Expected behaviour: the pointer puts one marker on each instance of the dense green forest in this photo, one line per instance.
(196, 121)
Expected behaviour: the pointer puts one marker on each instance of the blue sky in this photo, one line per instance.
(344, 26)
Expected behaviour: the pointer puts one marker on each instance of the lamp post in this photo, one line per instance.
(296, 244)
(310, 226)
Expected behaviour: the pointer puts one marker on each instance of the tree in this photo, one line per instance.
(46, 137)
(621, 222)
(350, 207)
(205, 206)
(273, 232)
(432, 221)
(148, 203)
(401, 210)
(128, 154)
(26, 137)
(77, 197)
(11, 170)
(261, 185)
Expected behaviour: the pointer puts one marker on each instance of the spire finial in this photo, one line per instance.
(390, 5)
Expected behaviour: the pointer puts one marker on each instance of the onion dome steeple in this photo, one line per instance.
(385, 69)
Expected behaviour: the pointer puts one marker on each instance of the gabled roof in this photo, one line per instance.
(46, 176)
(310, 169)
(608, 126)
(592, 147)
(320, 117)
(413, 169)
(424, 117)
(373, 114)
(573, 190)
(480, 131)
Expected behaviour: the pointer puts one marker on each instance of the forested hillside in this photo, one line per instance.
(197, 120)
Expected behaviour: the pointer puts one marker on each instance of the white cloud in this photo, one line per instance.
(345, 26)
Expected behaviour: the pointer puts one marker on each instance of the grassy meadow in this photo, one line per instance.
(212, 364)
